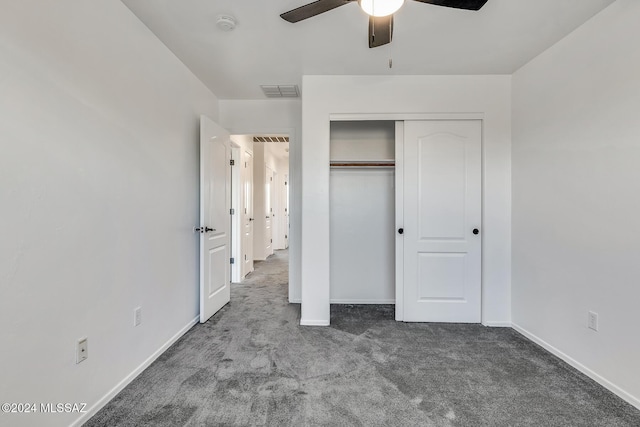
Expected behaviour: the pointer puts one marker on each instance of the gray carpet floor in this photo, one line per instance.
(253, 365)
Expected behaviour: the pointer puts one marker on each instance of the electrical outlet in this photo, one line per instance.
(82, 350)
(592, 321)
(137, 316)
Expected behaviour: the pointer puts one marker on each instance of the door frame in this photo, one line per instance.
(402, 117)
(294, 214)
(236, 227)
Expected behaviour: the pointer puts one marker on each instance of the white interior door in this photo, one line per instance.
(285, 210)
(215, 223)
(268, 210)
(247, 214)
(442, 202)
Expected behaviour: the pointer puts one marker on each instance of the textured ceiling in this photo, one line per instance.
(265, 50)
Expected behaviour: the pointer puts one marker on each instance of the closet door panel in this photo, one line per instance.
(442, 210)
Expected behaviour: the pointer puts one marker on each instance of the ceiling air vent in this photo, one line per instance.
(263, 138)
(281, 91)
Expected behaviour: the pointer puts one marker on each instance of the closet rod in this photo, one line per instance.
(363, 164)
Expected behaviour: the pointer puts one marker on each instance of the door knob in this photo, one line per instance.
(250, 219)
(202, 229)
(400, 230)
(476, 231)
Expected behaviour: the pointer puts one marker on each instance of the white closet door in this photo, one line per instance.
(442, 217)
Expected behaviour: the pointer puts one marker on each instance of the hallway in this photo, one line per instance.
(252, 364)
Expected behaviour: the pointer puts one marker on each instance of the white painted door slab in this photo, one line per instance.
(215, 222)
(268, 209)
(442, 207)
(247, 214)
(285, 213)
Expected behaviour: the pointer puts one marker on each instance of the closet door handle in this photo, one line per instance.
(476, 231)
(400, 230)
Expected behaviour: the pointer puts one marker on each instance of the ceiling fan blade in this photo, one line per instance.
(312, 9)
(458, 4)
(380, 30)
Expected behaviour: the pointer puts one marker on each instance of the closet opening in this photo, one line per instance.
(362, 213)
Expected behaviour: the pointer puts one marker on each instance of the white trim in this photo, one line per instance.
(129, 378)
(314, 322)
(399, 219)
(295, 300)
(362, 301)
(497, 324)
(628, 397)
(405, 116)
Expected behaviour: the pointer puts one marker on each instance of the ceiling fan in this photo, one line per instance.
(380, 13)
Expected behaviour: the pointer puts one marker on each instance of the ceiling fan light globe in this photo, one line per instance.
(380, 7)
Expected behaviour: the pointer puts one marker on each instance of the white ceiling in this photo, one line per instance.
(266, 50)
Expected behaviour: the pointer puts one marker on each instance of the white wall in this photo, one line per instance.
(275, 116)
(406, 95)
(365, 140)
(576, 187)
(98, 196)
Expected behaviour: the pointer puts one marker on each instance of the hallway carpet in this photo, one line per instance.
(253, 365)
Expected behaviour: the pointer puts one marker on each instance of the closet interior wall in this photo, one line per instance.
(362, 212)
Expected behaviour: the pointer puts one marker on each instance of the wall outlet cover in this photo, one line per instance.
(592, 321)
(137, 316)
(82, 350)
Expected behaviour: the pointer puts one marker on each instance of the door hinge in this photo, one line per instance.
(232, 211)
(271, 240)
(232, 162)
(285, 183)
(233, 260)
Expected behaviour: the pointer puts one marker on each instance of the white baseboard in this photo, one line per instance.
(497, 324)
(295, 301)
(580, 367)
(129, 378)
(363, 301)
(304, 322)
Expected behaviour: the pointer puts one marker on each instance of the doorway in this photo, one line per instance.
(261, 210)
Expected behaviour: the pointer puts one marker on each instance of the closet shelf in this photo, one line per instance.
(362, 163)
